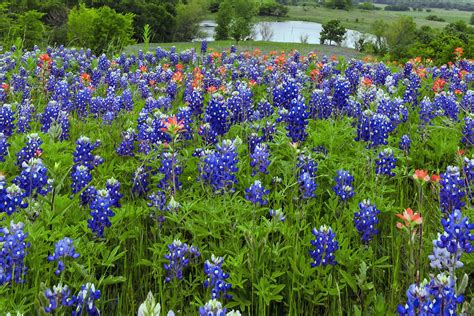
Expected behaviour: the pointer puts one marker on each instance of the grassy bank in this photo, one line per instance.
(361, 20)
(263, 46)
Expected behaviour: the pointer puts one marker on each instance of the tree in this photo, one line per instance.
(242, 24)
(102, 30)
(29, 28)
(235, 19)
(400, 35)
(223, 20)
(471, 21)
(187, 20)
(379, 28)
(332, 31)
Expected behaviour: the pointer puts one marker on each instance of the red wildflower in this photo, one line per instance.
(421, 175)
(85, 77)
(435, 178)
(410, 219)
(172, 125)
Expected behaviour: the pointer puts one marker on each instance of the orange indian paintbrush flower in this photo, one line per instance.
(172, 125)
(411, 219)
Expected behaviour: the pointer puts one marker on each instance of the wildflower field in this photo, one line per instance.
(234, 183)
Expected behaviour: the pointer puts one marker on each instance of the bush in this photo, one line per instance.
(272, 9)
(103, 29)
(397, 7)
(29, 28)
(367, 6)
(435, 18)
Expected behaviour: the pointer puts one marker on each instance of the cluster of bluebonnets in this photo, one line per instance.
(170, 103)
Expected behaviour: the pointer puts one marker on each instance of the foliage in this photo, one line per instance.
(435, 18)
(29, 27)
(103, 29)
(333, 31)
(188, 17)
(235, 19)
(400, 35)
(300, 149)
(272, 9)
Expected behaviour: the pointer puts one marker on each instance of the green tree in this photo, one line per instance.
(29, 28)
(471, 21)
(333, 31)
(379, 28)
(242, 22)
(187, 20)
(223, 20)
(102, 30)
(400, 35)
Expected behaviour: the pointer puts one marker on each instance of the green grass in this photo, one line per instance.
(265, 47)
(361, 20)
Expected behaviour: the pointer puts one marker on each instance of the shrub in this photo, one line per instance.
(435, 18)
(103, 29)
(397, 7)
(272, 9)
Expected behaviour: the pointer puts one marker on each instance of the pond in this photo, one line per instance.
(286, 31)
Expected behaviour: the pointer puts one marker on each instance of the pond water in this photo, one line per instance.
(286, 31)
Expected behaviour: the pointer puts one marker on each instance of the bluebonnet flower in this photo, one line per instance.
(63, 121)
(447, 103)
(100, 213)
(320, 104)
(13, 252)
(325, 246)
(217, 115)
(49, 116)
(468, 131)
(256, 193)
(212, 308)
(157, 201)
(33, 179)
(216, 278)
(283, 94)
(343, 187)
(63, 249)
(366, 221)
(88, 195)
(385, 163)
(373, 129)
(196, 101)
(434, 297)
(85, 301)
(297, 120)
(113, 187)
(3, 146)
(81, 177)
(208, 135)
(169, 169)
(405, 143)
(140, 181)
(11, 198)
(277, 214)
(83, 153)
(413, 85)
(59, 296)
(25, 111)
(307, 168)
(178, 257)
(6, 120)
(340, 97)
(218, 168)
(452, 192)
(453, 242)
(31, 150)
(259, 159)
(468, 170)
(203, 47)
(253, 140)
(127, 146)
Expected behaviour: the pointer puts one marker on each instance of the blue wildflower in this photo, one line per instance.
(13, 252)
(325, 246)
(366, 221)
(216, 278)
(343, 187)
(385, 163)
(256, 193)
(63, 249)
